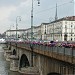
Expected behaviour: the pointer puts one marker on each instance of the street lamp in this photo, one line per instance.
(32, 19)
(17, 18)
(45, 33)
(10, 38)
(31, 45)
(53, 31)
(10, 31)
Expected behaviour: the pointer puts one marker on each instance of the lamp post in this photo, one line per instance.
(32, 22)
(10, 31)
(53, 31)
(10, 38)
(31, 45)
(18, 17)
(45, 33)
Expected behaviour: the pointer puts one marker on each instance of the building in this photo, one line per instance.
(12, 33)
(62, 29)
(40, 31)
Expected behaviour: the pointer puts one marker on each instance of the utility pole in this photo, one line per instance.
(32, 22)
(10, 31)
(53, 31)
(56, 17)
(31, 45)
(10, 38)
(18, 17)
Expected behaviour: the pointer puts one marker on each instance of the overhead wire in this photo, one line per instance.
(45, 10)
(54, 7)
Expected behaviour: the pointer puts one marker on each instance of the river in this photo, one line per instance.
(5, 65)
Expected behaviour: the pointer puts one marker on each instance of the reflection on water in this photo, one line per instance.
(4, 65)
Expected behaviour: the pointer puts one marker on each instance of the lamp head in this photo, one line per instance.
(38, 2)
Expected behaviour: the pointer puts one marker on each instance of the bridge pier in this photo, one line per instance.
(29, 71)
(8, 53)
(14, 61)
(5, 50)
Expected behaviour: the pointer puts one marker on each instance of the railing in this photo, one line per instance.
(66, 54)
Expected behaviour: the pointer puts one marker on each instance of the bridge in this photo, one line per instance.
(40, 59)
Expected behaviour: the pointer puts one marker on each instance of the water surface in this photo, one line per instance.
(5, 65)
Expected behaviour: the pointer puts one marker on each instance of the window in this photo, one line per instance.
(65, 22)
(71, 22)
(65, 26)
(74, 27)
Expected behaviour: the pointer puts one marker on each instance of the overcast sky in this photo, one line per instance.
(10, 9)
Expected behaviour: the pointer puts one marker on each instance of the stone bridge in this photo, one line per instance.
(38, 59)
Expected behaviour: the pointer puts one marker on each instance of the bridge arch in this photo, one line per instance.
(53, 73)
(14, 52)
(24, 61)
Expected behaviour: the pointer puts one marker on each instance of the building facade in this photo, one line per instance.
(62, 29)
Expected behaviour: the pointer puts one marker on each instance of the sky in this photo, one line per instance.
(10, 10)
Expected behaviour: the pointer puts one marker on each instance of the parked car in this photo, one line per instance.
(2, 40)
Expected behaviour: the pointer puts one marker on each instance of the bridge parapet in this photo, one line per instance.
(62, 53)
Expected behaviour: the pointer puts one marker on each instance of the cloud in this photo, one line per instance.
(10, 9)
(23, 10)
(10, 2)
(5, 12)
